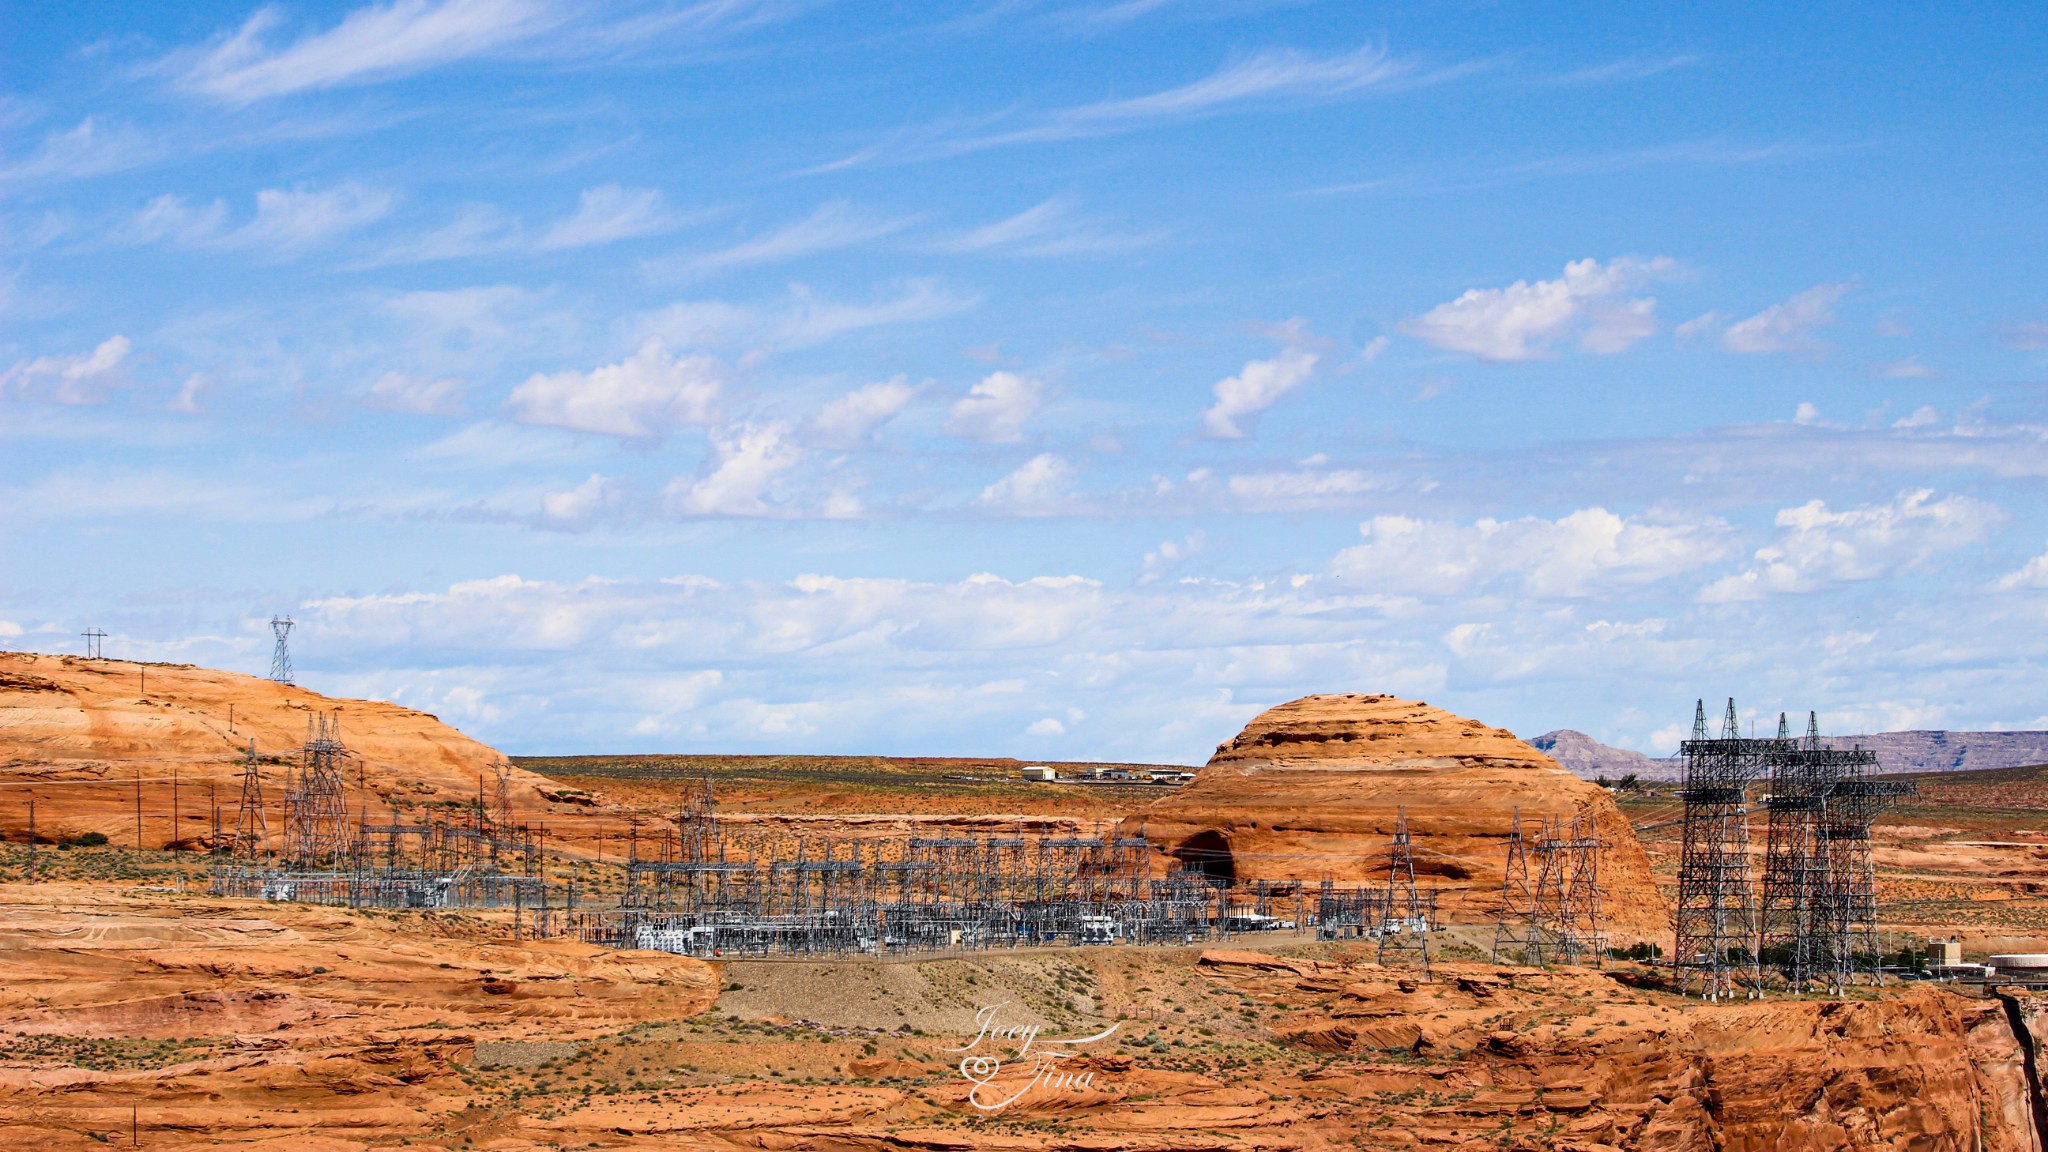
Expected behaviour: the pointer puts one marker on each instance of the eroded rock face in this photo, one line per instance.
(1576, 1054)
(1312, 788)
(75, 722)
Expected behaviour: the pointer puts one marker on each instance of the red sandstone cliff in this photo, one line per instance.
(77, 734)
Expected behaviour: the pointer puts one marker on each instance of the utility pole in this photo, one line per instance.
(93, 647)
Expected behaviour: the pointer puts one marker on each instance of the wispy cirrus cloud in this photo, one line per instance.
(605, 214)
(388, 41)
(1050, 228)
(1274, 75)
(286, 221)
(610, 213)
(376, 42)
(290, 219)
(1625, 69)
(1788, 326)
(834, 225)
(476, 230)
(95, 147)
(804, 317)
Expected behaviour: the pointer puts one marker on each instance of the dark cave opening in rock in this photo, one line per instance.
(1209, 854)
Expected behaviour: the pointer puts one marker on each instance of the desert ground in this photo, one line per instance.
(137, 1010)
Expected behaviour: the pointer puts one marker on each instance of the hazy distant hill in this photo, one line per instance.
(1951, 751)
(1585, 757)
(1923, 751)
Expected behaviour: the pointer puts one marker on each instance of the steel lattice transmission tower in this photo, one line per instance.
(1405, 913)
(1550, 895)
(316, 822)
(1521, 918)
(1716, 914)
(252, 827)
(501, 802)
(1581, 927)
(281, 656)
(1820, 884)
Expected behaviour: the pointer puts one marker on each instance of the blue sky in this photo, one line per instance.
(1050, 380)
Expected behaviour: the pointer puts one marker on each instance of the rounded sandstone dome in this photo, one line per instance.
(1314, 789)
(1356, 731)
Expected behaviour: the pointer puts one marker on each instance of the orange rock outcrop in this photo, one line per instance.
(1313, 787)
(81, 736)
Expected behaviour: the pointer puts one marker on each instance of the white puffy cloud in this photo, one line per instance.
(850, 420)
(1579, 554)
(1786, 327)
(79, 379)
(994, 411)
(577, 507)
(422, 395)
(747, 460)
(642, 396)
(1524, 320)
(1256, 387)
(782, 664)
(1925, 416)
(1170, 553)
(2032, 574)
(1818, 547)
(1046, 726)
(1036, 486)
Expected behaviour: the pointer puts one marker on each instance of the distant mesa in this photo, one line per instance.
(1311, 789)
(1915, 751)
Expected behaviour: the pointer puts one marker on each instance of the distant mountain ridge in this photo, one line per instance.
(1915, 751)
